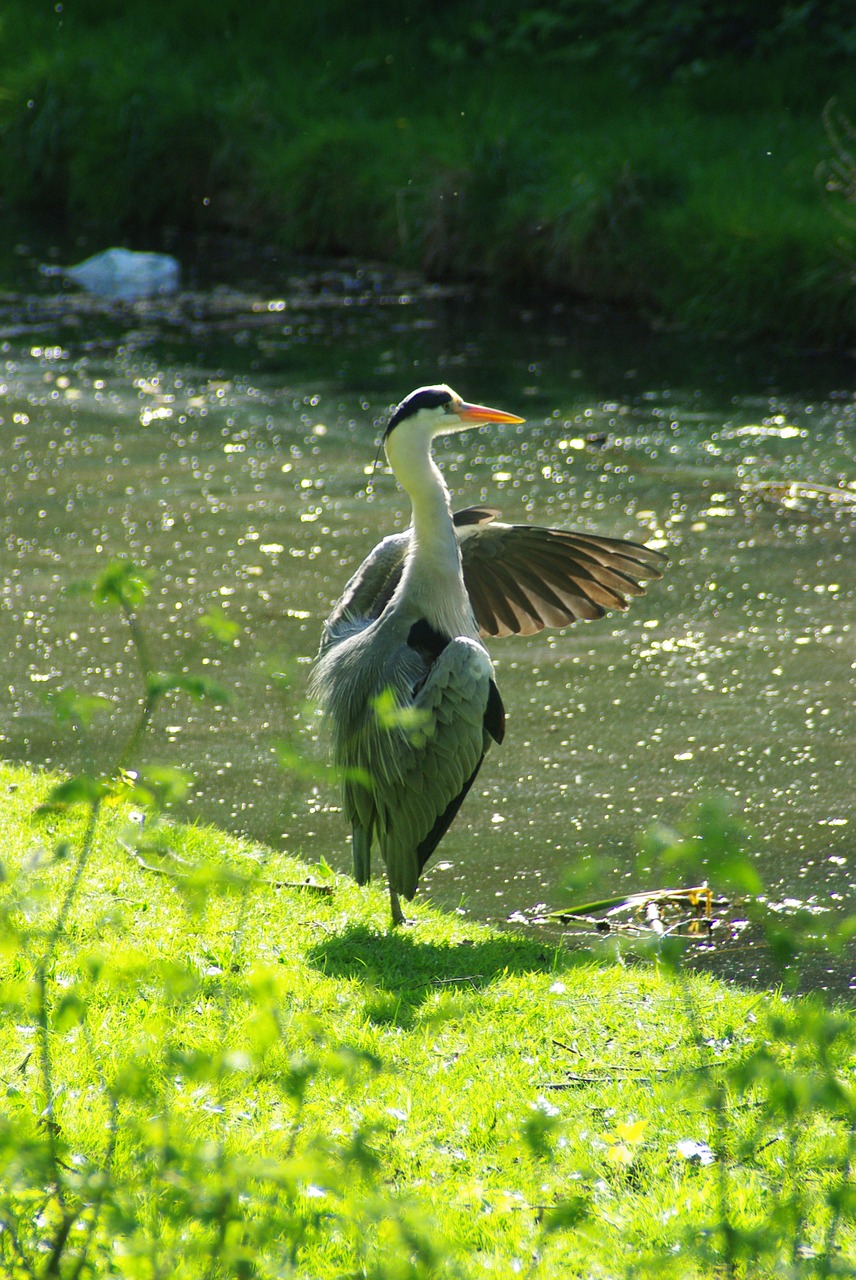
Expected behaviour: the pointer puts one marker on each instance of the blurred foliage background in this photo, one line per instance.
(693, 161)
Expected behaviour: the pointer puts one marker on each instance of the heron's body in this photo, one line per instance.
(402, 674)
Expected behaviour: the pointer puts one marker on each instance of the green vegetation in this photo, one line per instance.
(209, 1068)
(214, 1063)
(681, 159)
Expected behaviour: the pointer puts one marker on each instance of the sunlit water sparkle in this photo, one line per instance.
(226, 449)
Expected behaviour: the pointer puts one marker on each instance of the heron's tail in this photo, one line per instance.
(362, 848)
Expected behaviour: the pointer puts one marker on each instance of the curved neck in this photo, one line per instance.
(432, 575)
(432, 512)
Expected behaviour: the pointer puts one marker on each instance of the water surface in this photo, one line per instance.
(223, 442)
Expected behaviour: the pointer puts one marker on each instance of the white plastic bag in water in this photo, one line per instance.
(123, 274)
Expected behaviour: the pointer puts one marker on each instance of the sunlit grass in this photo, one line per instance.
(251, 1075)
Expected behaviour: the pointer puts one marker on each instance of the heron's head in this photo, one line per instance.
(435, 411)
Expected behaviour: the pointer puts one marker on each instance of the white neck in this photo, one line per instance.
(432, 578)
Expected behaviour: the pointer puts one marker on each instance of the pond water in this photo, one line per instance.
(223, 439)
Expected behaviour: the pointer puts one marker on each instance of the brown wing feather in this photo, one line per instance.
(554, 556)
(539, 603)
(520, 578)
(562, 571)
(523, 578)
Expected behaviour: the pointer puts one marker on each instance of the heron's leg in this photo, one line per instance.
(398, 916)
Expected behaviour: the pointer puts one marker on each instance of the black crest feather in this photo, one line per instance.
(424, 398)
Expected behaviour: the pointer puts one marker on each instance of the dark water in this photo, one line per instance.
(223, 441)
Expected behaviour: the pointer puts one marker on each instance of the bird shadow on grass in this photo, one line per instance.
(399, 972)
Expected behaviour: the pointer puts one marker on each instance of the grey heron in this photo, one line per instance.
(402, 673)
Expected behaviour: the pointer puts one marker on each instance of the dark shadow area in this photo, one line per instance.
(399, 972)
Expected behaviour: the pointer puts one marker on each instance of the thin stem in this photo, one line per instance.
(71, 892)
(835, 1220)
(47, 1084)
(150, 700)
(10, 1232)
(112, 1130)
(55, 1256)
(725, 1224)
(128, 752)
(796, 1197)
(42, 988)
(71, 1213)
(138, 639)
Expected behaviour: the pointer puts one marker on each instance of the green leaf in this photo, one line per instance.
(78, 708)
(349, 1062)
(69, 1011)
(538, 1131)
(219, 626)
(736, 874)
(711, 845)
(295, 1080)
(670, 951)
(201, 687)
(122, 583)
(588, 872)
(81, 789)
(659, 842)
(160, 683)
(842, 1199)
(297, 763)
(391, 716)
(164, 784)
(358, 1152)
(566, 1215)
(843, 933)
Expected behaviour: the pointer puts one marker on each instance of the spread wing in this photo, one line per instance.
(522, 578)
(422, 770)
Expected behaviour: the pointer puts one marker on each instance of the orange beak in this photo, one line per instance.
(478, 414)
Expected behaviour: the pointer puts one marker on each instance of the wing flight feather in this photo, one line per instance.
(520, 578)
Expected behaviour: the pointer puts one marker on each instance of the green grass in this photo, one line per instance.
(636, 162)
(208, 1069)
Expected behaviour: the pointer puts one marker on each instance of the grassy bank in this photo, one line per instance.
(671, 158)
(209, 1067)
